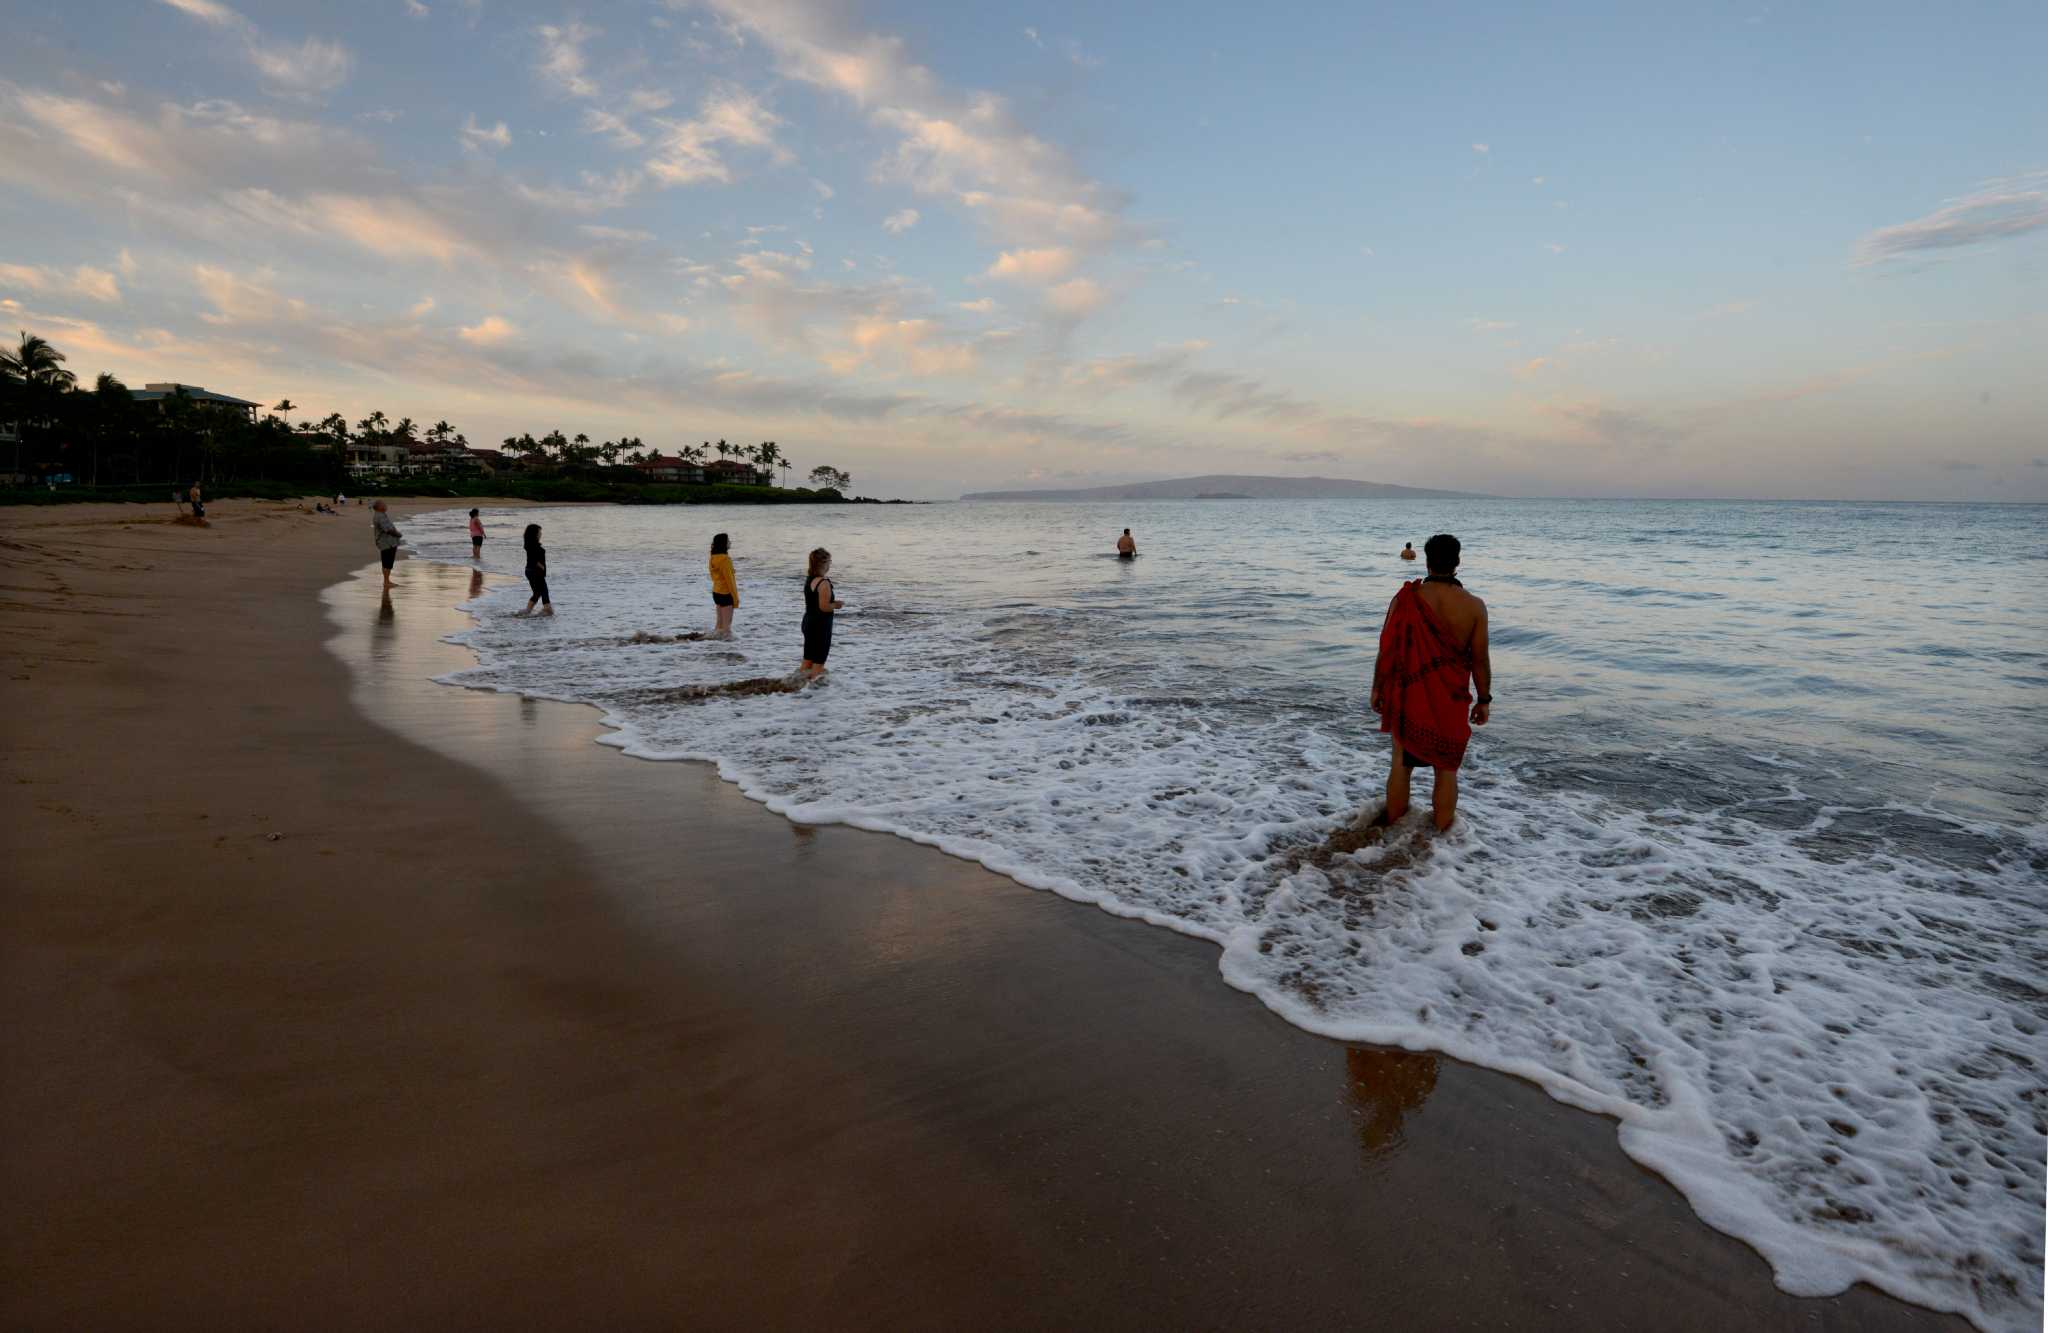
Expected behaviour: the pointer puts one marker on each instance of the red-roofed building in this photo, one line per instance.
(662, 467)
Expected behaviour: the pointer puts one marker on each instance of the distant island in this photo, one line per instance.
(1238, 488)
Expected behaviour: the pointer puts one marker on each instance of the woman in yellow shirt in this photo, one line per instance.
(725, 587)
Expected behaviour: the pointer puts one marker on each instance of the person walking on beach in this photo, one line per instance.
(1432, 642)
(818, 609)
(1408, 550)
(536, 573)
(725, 585)
(1125, 546)
(476, 536)
(388, 537)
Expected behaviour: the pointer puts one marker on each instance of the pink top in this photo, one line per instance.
(476, 527)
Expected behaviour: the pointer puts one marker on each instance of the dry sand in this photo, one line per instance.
(504, 1029)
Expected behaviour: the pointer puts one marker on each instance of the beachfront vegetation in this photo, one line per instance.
(60, 440)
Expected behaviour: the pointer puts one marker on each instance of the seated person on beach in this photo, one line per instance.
(1432, 648)
(1125, 547)
(1408, 550)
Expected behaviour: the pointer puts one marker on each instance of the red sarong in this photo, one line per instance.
(1423, 683)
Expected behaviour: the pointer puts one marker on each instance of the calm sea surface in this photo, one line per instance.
(1752, 856)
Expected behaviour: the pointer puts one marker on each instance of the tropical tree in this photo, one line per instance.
(285, 405)
(35, 376)
(828, 476)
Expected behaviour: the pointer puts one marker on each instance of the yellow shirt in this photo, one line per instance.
(722, 579)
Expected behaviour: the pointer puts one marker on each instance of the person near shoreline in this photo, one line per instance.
(388, 537)
(1432, 649)
(536, 573)
(476, 536)
(725, 585)
(1126, 548)
(1408, 550)
(198, 508)
(818, 608)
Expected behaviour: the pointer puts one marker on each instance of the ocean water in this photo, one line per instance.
(1753, 856)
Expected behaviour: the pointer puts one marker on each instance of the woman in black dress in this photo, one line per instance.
(536, 573)
(818, 609)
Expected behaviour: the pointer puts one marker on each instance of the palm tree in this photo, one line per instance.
(285, 405)
(39, 369)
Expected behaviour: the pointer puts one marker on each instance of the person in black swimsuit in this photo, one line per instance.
(536, 573)
(818, 609)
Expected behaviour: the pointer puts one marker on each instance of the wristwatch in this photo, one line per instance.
(1485, 701)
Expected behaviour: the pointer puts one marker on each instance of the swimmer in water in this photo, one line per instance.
(1408, 551)
(1125, 547)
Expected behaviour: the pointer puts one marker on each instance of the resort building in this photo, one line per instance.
(198, 397)
(735, 473)
(664, 468)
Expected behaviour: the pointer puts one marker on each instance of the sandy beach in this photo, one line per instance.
(336, 997)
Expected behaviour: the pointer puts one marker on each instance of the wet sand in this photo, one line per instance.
(504, 1028)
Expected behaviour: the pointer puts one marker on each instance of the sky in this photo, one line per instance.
(1710, 250)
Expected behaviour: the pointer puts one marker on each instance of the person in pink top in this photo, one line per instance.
(476, 536)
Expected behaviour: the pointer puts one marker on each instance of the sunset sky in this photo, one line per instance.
(1734, 250)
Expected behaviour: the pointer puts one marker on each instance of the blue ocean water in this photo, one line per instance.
(1752, 856)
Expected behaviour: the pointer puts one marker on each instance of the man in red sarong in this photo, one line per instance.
(1433, 642)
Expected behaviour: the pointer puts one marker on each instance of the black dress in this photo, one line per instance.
(817, 623)
(537, 572)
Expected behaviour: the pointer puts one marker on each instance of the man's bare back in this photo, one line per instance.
(1458, 609)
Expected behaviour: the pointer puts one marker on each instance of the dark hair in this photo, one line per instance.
(472, 513)
(719, 545)
(1127, 532)
(532, 535)
(1441, 553)
(819, 559)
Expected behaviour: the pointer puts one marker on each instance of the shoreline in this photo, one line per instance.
(500, 1020)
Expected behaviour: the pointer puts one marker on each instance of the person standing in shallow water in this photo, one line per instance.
(476, 535)
(536, 573)
(388, 537)
(725, 585)
(1126, 546)
(1407, 550)
(1432, 649)
(818, 609)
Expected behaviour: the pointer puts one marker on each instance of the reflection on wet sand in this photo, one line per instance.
(1385, 1086)
(476, 584)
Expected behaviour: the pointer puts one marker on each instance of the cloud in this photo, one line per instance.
(1031, 35)
(239, 300)
(900, 221)
(476, 137)
(1726, 310)
(1047, 264)
(1554, 248)
(912, 344)
(964, 145)
(315, 65)
(1076, 298)
(414, 9)
(1533, 367)
(491, 331)
(1490, 325)
(95, 284)
(687, 153)
(1997, 210)
(981, 307)
(1482, 149)
(562, 62)
(421, 308)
